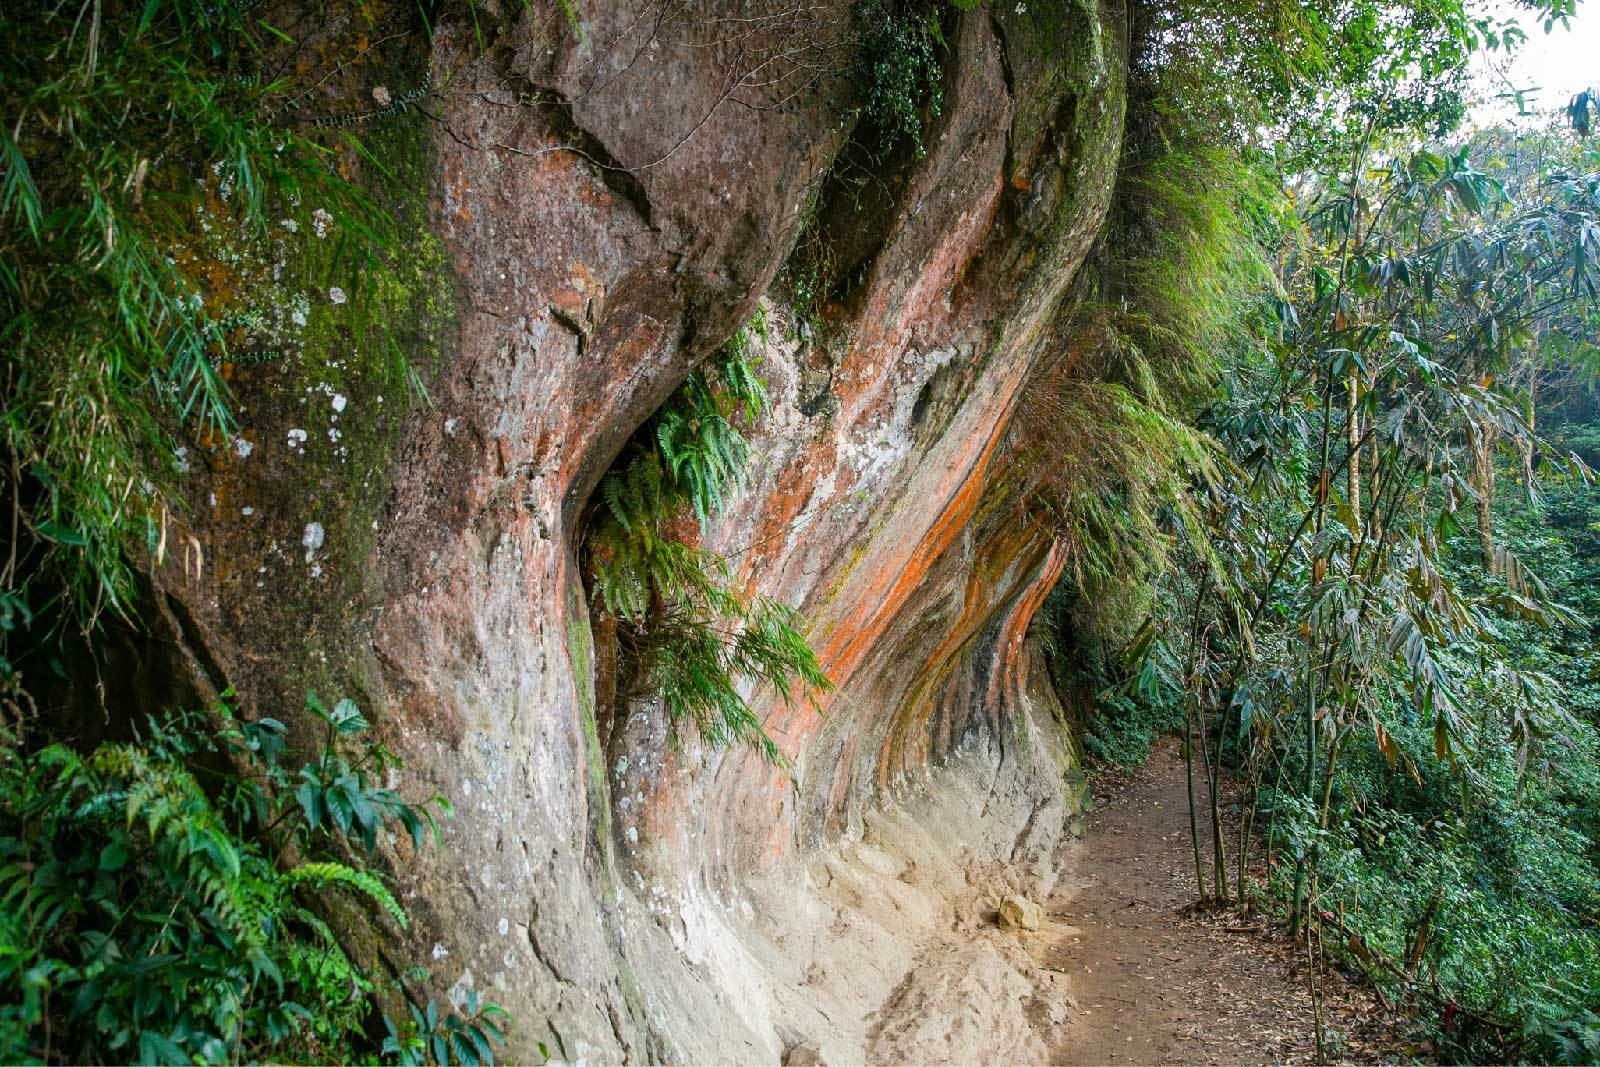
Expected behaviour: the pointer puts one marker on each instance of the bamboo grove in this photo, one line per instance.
(1351, 612)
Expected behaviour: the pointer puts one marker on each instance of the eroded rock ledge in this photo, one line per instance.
(610, 207)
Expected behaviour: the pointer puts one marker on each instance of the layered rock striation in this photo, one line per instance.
(599, 201)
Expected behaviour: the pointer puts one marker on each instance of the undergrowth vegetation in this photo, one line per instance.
(689, 634)
(164, 900)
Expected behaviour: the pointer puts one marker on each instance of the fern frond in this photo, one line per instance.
(612, 490)
(362, 882)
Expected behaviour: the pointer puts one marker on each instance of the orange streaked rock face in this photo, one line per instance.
(612, 207)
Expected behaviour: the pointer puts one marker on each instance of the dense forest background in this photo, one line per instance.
(1375, 601)
(1320, 461)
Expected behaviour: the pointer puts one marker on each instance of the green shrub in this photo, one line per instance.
(159, 906)
(899, 69)
(1481, 886)
(1124, 730)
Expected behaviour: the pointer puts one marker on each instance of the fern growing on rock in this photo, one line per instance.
(111, 340)
(692, 636)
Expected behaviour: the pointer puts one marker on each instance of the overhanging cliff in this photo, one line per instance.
(599, 201)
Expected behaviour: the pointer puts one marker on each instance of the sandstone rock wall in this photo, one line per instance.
(605, 202)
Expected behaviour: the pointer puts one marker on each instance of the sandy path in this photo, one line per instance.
(1153, 985)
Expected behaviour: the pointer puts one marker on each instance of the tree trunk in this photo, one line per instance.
(1352, 426)
(1480, 439)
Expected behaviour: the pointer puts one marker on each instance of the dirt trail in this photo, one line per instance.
(1153, 985)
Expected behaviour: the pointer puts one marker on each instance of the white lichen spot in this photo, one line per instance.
(297, 438)
(339, 402)
(316, 570)
(504, 926)
(213, 500)
(320, 221)
(450, 426)
(247, 511)
(457, 994)
(380, 95)
(313, 538)
(336, 294)
(290, 225)
(243, 447)
(180, 459)
(633, 835)
(439, 951)
(333, 433)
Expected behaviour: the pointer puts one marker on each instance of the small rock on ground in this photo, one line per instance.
(1020, 912)
(804, 1055)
